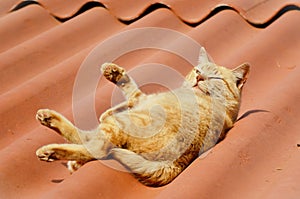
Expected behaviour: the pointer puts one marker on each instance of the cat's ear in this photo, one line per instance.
(241, 73)
(203, 57)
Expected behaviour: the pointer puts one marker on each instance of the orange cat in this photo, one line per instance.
(154, 136)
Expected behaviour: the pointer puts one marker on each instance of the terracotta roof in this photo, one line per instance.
(44, 44)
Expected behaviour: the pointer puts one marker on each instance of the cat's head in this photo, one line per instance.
(209, 77)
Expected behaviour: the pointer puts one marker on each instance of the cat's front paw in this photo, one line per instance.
(48, 117)
(46, 154)
(112, 72)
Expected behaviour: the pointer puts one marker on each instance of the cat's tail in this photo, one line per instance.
(150, 173)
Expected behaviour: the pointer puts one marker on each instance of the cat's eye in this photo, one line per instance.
(220, 78)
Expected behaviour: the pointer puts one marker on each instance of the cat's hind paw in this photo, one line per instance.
(46, 154)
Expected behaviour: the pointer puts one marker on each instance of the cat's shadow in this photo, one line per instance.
(60, 180)
(246, 114)
(57, 180)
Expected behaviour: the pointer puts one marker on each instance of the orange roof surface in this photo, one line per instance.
(46, 43)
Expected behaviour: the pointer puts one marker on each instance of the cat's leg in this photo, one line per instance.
(118, 76)
(74, 152)
(150, 173)
(77, 154)
(129, 88)
(60, 124)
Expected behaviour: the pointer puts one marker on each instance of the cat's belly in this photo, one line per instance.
(161, 127)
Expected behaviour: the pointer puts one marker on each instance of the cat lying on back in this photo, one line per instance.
(154, 136)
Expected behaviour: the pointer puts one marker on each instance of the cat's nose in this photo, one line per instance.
(200, 77)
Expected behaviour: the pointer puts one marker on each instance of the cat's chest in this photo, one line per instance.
(160, 108)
